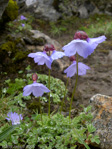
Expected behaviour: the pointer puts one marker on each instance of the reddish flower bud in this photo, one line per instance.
(49, 47)
(34, 77)
(72, 58)
(80, 35)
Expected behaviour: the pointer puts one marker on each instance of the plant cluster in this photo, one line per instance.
(20, 24)
(57, 132)
(48, 130)
(12, 96)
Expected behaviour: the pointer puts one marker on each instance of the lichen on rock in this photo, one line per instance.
(102, 112)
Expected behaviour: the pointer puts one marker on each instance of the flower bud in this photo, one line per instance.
(34, 77)
(80, 35)
(49, 47)
(72, 58)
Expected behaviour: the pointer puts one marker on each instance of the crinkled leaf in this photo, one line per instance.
(91, 128)
(95, 139)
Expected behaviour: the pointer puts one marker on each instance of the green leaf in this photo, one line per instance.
(7, 132)
(81, 139)
(95, 139)
(87, 109)
(91, 128)
(3, 144)
(14, 139)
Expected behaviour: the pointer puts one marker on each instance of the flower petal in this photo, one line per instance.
(57, 54)
(48, 64)
(39, 89)
(42, 58)
(83, 48)
(69, 49)
(44, 88)
(27, 90)
(82, 69)
(71, 70)
(95, 41)
(32, 55)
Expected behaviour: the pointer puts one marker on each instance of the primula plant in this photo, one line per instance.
(81, 45)
(42, 58)
(48, 130)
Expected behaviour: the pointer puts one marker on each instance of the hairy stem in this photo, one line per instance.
(64, 96)
(40, 110)
(49, 93)
(74, 87)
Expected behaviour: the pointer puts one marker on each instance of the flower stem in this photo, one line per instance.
(40, 110)
(74, 87)
(49, 93)
(64, 95)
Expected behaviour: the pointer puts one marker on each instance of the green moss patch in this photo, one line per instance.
(11, 11)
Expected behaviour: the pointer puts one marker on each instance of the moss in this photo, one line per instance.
(12, 52)
(9, 46)
(20, 55)
(11, 11)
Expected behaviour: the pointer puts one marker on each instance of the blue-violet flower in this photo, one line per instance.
(14, 117)
(23, 17)
(41, 58)
(23, 25)
(72, 69)
(82, 45)
(37, 89)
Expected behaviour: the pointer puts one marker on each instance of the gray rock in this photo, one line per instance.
(46, 12)
(30, 2)
(3, 5)
(83, 13)
(108, 9)
(43, 9)
(54, 9)
(37, 34)
(102, 112)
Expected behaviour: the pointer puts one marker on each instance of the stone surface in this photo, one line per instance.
(43, 9)
(3, 5)
(22, 5)
(102, 112)
(79, 8)
(52, 10)
(83, 13)
(30, 2)
(37, 34)
(46, 12)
